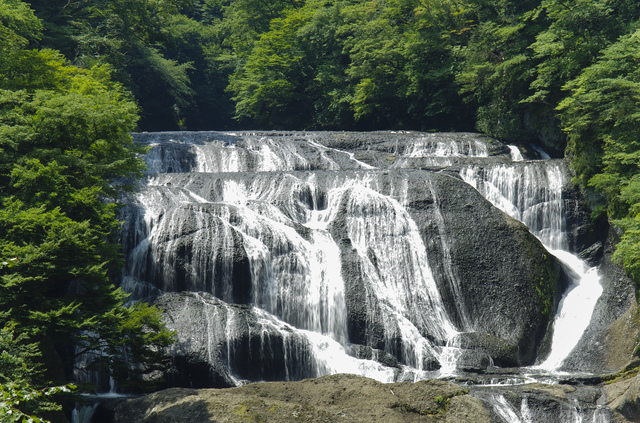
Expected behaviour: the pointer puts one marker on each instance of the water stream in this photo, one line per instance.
(532, 194)
(574, 311)
(302, 254)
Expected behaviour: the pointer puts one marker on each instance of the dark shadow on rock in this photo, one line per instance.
(172, 405)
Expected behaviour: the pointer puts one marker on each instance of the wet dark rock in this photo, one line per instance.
(368, 353)
(474, 361)
(539, 402)
(537, 124)
(501, 352)
(593, 253)
(215, 340)
(509, 284)
(586, 236)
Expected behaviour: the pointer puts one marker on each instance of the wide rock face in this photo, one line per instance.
(337, 398)
(504, 283)
(219, 343)
(281, 256)
(350, 398)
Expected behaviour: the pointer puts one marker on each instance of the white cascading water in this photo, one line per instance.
(83, 413)
(516, 155)
(574, 310)
(351, 156)
(382, 230)
(532, 193)
(331, 357)
(295, 279)
(505, 410)
(261, 202)
(543, 154)
(571, 412)
(441, 148)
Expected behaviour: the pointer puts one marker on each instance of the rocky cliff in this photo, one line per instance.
(398, 256)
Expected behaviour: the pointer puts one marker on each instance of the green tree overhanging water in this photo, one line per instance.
(65, 156)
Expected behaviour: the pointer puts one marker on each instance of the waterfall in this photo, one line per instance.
(532, 193)
(281, 256)
(574, 310)
(83, 413)
(438, 149)
(443, 146)
(516, 155)
(529, 192)
(506, 411)
(244, 219)
(543, 154)
(394, 256)
(332, 358)
(523, 407)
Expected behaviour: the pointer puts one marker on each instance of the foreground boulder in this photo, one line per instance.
(352, 399)
(336, 398)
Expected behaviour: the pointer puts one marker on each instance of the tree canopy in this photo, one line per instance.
(601, 118)
(497, 66)
(65, 156)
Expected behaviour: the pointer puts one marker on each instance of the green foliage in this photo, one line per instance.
(442, 402)
(497, 70)
(628, 249)
(578, 31)
(9, 263)
(402, 63)
(65, 156)
(269, 87)
(345, 64)
(137, 39)
(130, 341)
(18, 25)
(601, 117)
(353, 64)
(20, 400)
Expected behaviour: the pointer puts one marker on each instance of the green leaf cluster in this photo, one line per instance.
(152, 48)
(498, 66)
(601, 118)
(66, 155)
(21, 400)
(347, 64)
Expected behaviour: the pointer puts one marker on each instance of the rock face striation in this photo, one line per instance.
(283, 256)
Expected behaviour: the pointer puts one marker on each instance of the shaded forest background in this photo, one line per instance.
(498, 66)
(77, 76)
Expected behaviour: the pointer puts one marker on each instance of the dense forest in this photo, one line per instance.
(77, 76)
